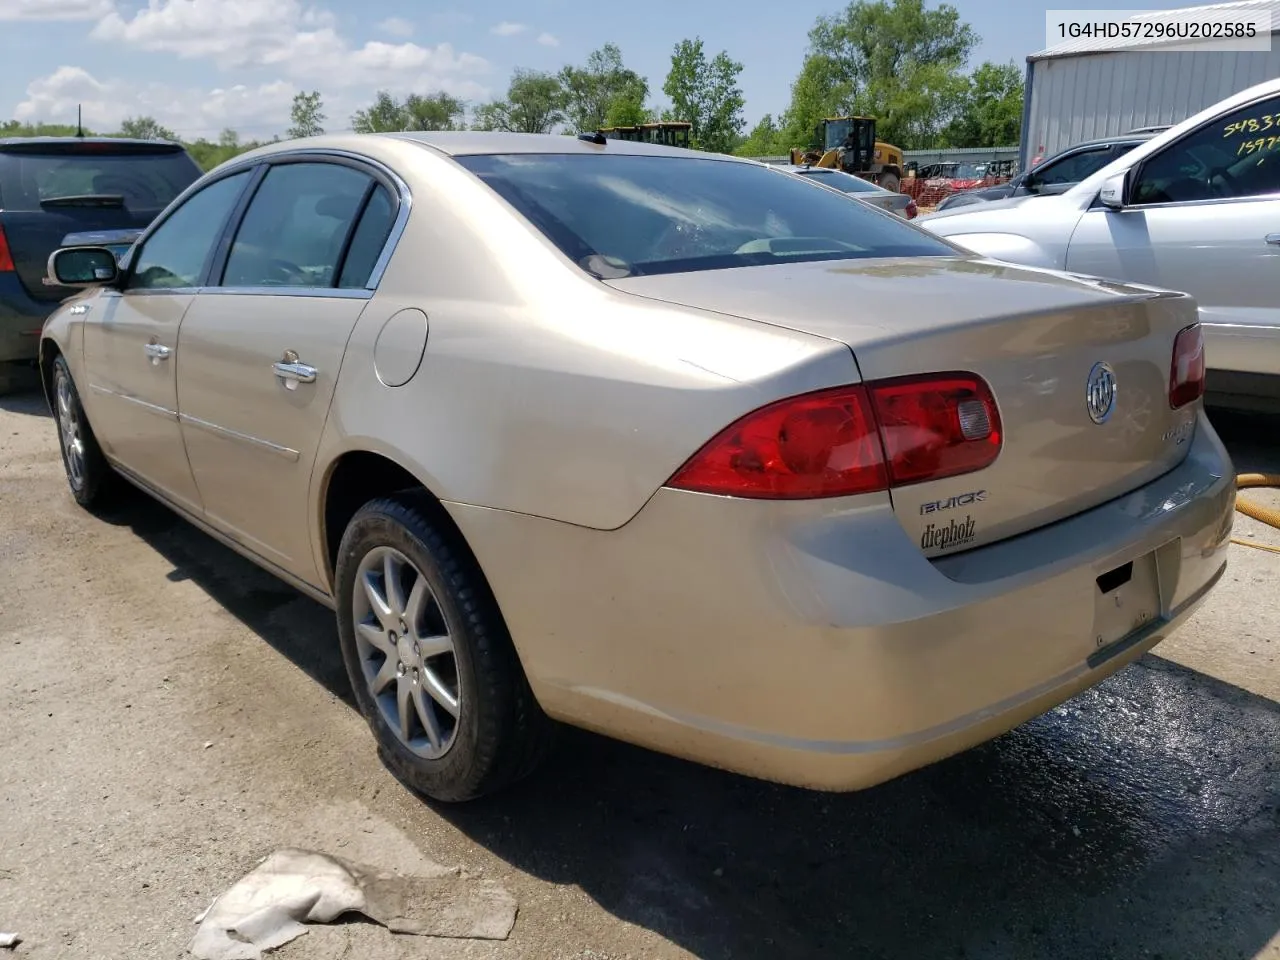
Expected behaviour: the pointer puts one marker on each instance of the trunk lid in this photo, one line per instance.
(1033, 335)
(58, 192)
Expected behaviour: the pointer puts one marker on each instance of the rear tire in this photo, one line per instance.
(89, 475)
(430, 660)
(890, 182)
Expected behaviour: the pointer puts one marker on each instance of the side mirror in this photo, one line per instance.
(82, 267)
(1112, 194)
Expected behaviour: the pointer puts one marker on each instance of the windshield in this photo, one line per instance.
(625, 215)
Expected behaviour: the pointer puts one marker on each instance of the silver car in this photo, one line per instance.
(899, 203)
(663, 444)
(1196, 208)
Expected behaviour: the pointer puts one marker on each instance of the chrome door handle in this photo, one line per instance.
(1273, 239)
(157, 351)
(297, 372)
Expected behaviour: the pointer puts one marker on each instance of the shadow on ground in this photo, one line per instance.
(1142, 819)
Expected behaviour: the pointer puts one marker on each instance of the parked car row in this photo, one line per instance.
(1195, 208)
(672, 446)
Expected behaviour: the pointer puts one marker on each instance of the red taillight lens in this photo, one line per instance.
(936, 426)
(849, 440)
(6, 258)
(912, 210)
(821, 444)
(1186, 375)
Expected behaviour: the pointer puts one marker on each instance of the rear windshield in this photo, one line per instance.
(842, 181)
(626, 215)
(145, 181)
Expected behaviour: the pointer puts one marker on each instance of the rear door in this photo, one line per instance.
(1204, 218)
(261, 350)
(52, 188)
(131, 340)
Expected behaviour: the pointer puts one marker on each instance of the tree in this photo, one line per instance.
(384, 115)
(762, 141)
(435, 111)
(990, 114)
(145, 128)
(604, 92)
(228, 138)
(534, 104)
(706, 95)
(307, 115)
(891, 59)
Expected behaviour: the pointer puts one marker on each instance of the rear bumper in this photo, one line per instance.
(21, 320)
(813, 644)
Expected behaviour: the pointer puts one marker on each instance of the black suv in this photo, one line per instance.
(1058, 173)
(62, 191)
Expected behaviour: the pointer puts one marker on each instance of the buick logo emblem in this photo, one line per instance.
(1100, 392)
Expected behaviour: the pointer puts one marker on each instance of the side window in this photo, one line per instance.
(1234, 156)
(1070, 169)
(296, 226)
(176, 254)
(368, 240)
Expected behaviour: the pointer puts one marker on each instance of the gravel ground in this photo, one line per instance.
(172, 715)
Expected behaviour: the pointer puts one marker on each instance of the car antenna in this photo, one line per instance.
(79, 123)
(597, 138)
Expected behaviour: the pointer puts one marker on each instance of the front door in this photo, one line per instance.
(261, 351)
(1203, 217)
(130, 349)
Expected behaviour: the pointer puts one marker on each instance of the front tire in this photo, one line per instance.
(89, 476)
(433, 669)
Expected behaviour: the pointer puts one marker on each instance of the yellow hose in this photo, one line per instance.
(1267, 515)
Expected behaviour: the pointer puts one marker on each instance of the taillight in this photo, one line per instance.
(850, 440)
(1186, 373)
(936, 426)
(6, 258)
(912, 210)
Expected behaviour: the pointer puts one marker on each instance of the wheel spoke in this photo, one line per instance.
(417, 603)
(435, 646)
(428, 717)
(381, 609)
(386, 676)
(439, 693)
(376, 637)
(391, 585)
(404, 703)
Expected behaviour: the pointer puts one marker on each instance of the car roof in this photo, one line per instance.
(461, 143)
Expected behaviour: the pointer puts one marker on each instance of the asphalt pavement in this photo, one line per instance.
(171, 715)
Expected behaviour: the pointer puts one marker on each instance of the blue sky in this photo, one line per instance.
(185, 63)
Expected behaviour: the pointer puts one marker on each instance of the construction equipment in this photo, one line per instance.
(669, 133)
(850, 144)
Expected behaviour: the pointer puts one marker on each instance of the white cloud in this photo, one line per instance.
(256, 111)
(300, 42)
(396, 27)
(508, 29)
(548, 40)
(54, 9)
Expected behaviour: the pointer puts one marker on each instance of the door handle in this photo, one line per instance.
(1273, 239)
(294, 372)
(157, 352)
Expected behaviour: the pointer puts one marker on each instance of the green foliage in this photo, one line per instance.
(603, 92)
(15, 128)
(706, 95)
(434, 111)
(990, 111)
(535, 103)
(307, 115)
(891, 59)
(764, 140)
(146, 128)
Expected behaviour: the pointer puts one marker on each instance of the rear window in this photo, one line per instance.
(146, 181)
(626, 215)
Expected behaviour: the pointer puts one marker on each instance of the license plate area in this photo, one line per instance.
(1126, 600)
